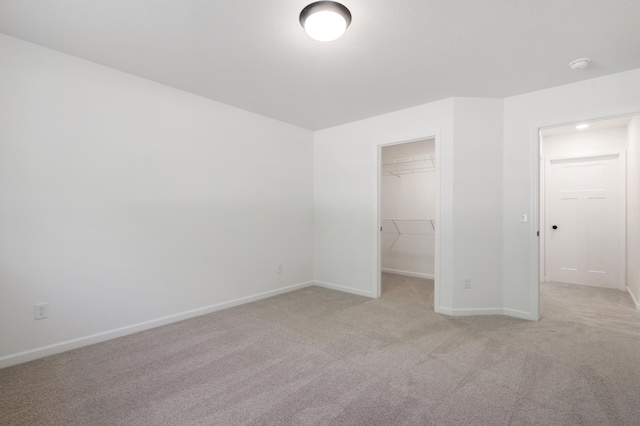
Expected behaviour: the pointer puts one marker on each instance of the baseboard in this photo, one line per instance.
(635, 301)
(344, 289)
(407, 273)
(56, 348)
(444, 310)
(485, 311)
(519, 314)
(466, 312)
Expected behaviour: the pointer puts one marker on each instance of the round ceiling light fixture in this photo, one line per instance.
(325, 20)
(579, 64)
(582, 126)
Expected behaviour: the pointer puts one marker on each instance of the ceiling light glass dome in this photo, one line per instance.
(325, 20)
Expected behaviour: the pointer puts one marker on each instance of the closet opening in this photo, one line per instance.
(589, 217)
(407, 206)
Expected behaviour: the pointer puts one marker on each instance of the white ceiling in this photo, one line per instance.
(253, 54)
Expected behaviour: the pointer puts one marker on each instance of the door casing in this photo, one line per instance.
(377, 274)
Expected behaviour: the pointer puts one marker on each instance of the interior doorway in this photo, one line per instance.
(407, 209)
(585, 215)
(588, 198)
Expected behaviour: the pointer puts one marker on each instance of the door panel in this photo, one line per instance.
(582, 202)
(567, 215)
(598, 245)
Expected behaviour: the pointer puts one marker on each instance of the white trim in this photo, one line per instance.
(377, 272)
(407, 273)
(635, 301)
(444, 310)
(344, 289)
(436, 253)
(377, 261)
(595, 156)
(513, 313)
(534, 266)
(622, 213)
(56, 348)
(534, 230)
(466, 312)
(542, 169)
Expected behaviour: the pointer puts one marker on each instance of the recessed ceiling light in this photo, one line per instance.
(325, 20)
(579, 64)
(582, 126)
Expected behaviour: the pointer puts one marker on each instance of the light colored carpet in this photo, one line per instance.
(316, 356)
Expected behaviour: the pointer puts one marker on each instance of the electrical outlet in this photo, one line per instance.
(41, 310)
(467, 282)
(280, 268)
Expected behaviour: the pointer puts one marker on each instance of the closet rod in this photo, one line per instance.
(408, 165)
(431, 221)
(406, 172)
(410, 160)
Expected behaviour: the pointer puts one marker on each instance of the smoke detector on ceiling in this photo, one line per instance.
(579, 64)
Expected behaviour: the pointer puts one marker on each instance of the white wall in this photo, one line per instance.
(346, 189)
(477, 206)
(408, 196)
(586, 142)
(123, 201)
(598, 98)
(345, 182)
(633, 209)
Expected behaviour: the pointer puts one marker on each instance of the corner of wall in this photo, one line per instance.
(478, 212)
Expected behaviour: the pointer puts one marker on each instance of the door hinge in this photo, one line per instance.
(538, 233)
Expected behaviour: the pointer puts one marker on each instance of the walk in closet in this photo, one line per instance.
(407, 208)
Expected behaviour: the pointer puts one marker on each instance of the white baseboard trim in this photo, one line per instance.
(519, 314)
(344, 289)
(633, 298)
(30, 355)
(407, 273)
(444, 310)
(465, 312)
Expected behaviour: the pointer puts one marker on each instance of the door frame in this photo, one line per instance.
(622, 208)
(377, 273)
(536, 176)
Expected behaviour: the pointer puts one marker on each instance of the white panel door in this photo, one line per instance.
(584, 221)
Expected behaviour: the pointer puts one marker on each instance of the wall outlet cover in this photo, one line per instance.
(41, 311)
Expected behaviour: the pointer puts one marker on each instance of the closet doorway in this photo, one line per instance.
(589, 204)
(407, 217)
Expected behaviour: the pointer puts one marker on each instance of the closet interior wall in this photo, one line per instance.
(407, 208)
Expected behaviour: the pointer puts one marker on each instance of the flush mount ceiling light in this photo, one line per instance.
(582, 126)
(579, 64)
(325, 20)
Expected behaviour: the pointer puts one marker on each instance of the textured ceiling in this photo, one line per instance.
(253, 54)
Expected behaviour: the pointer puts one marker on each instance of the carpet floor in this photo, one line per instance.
(317, 356)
